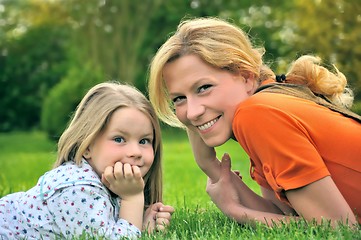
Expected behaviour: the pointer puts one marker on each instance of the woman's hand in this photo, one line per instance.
(223, 193)
(124, 180)
(230, 191)
(157, 217)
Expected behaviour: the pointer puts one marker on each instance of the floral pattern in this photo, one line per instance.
(67, 201)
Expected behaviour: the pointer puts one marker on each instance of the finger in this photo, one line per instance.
(105, 182)
(164, 220)
(226, 163)
(118, 170)
(166, 208)
(108, 174)
(155, 207)
(136, 172)
(160, 227)
(127, 169)
(163, 215)
(162, 223)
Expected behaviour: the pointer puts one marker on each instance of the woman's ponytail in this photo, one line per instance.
(307, 70)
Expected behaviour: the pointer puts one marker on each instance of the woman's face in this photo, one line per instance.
(205, 98)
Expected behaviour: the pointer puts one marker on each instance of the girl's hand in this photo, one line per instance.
(124, 180)
(163, 217)
(157, 217)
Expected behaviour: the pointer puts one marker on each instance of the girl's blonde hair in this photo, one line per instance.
(91, 118)
(225, 46)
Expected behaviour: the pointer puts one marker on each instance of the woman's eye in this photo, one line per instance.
(178, 99)
(204, 88)
(119, 139)
(145, 141)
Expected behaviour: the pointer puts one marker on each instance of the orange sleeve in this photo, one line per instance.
(282, 152)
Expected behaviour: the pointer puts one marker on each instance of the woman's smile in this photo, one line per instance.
(208, 125)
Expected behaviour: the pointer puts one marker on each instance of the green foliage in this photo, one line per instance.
(39, 40)
(65, 96)
(30, 65)
(357, 107)
(330, 29)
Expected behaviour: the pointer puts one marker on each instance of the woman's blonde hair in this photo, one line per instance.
(225, 46)
(91, 118)
(307, 70)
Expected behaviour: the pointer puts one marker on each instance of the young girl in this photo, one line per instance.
(304, 145)
(108, 171)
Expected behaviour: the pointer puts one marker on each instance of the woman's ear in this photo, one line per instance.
(250, 82)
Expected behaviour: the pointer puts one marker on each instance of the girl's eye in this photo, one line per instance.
(119, 139)
(204, 88)
(145, 141)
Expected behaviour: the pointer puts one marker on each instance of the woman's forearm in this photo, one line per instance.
(245, 215)
(204, 156)
(250, 199)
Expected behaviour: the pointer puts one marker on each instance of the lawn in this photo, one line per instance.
(25, 156)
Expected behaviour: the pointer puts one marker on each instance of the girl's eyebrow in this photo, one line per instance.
(125, 133)
(148, 134)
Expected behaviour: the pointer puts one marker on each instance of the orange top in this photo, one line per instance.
(293, 142)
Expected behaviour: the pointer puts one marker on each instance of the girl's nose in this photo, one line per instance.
(134, 150)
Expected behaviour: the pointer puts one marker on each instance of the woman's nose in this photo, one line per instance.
(194, 109)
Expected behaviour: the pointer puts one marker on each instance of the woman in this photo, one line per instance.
(302, 141)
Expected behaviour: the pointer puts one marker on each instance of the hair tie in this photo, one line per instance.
(280, 78)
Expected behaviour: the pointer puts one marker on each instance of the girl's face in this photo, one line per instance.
(205, 98)
(127, 138)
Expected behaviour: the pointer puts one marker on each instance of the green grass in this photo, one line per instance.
(24, 157)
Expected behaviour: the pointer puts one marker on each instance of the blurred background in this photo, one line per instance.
(53, 51)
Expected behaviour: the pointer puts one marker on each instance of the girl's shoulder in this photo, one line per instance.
(66, 175)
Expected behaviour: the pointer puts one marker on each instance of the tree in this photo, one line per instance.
(32, 61)
(110, 34)
(331, 29)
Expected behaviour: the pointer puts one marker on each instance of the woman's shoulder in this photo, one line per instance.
(274, 108)
(279, 101)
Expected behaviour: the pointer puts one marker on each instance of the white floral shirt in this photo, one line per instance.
(66, 202)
